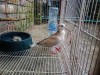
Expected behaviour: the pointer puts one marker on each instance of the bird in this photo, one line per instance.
(54, 39)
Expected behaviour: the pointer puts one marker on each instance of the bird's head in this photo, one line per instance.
(61, 27)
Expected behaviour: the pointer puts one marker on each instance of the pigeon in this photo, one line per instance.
(54, 39)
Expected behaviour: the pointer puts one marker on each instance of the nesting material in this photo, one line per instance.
(16, 38)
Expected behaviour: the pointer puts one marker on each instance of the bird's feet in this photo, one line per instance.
(55, 50)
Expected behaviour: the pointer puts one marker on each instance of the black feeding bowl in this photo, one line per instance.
(15, 41)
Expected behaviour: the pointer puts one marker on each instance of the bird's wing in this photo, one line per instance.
(51, 41)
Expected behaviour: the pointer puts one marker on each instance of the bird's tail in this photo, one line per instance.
(40, 43)
(33, 45)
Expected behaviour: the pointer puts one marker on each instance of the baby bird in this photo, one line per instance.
(54, 39)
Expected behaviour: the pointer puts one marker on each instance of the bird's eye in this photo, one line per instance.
(62, 26)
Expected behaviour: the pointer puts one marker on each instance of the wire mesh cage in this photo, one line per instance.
(82, 18)
(21, 15)
(80, 50)
(41, 10)
(16, 14)
(36, 61)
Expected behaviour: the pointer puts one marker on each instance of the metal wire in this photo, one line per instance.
(85, 46)
(36, 61)
(31, 62)
(80, 54)
(21, 17)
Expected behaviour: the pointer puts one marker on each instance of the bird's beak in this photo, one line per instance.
(66, 28)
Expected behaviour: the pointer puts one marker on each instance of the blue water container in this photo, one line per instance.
(52, 23)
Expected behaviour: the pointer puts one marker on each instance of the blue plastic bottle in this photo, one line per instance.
(52, 23)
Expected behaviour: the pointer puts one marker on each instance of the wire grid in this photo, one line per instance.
(35, 61)
(25, 14)
(16, 15)
(41, 15)
(83, 20)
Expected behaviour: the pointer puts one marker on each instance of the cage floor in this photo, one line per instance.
(35, 61)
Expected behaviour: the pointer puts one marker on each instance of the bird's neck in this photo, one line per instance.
(61, 34)
(62, 31)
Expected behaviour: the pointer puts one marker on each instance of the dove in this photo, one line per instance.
(54, 39)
